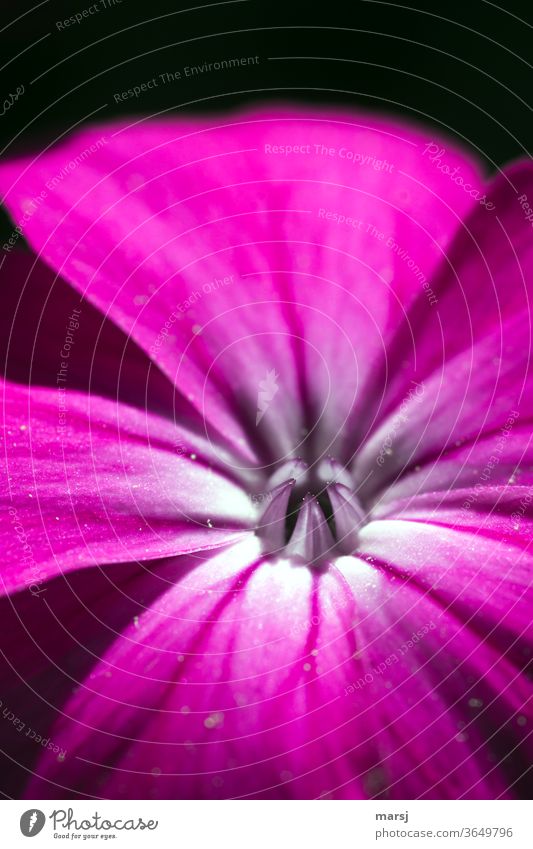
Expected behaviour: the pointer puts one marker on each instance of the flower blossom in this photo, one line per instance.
(267, 461)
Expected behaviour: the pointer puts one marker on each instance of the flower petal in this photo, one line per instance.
(477, 558)
(39, 312)
(466, 363)
(211, 234)
(242, 681)
(89, 481)
(50, 641)
(451, 697)
(502, 457)
(482, 395)
(230, 686)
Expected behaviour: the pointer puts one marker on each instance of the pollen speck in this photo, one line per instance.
(216, 720)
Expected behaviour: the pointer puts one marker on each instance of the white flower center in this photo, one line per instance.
(312, 513)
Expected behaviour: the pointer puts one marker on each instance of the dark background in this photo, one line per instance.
(461, 67)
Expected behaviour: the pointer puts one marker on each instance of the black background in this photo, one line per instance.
(462, 68)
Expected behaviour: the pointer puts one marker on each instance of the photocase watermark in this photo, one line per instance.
(268, 389)
(33, 205)
(370, 229)
(169, 77)
(354, 157)
(220, 65)
(518, 514)
(183, 451)
(435, 154)
(329, 606)
(62, 375)
(11, 99)
(491, 463)
(402, 254)
(184, 306)
(34, 577)
(65, 824)
(260, 497)
(32, 822)
(341, 218)
(88, 12)
(514, 524)
(65, 819)
(71, 166)
(523, 200)
(30, 208)
(21, 727)
(392, 659)
(400, 418)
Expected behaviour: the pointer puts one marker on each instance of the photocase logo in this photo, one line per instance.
(267, 390)
(32, 822)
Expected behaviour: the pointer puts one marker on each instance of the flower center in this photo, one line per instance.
(311, 513)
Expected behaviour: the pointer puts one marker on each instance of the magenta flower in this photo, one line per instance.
(267, 417)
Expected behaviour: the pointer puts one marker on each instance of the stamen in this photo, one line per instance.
(273, 520)
(318, 527)
(296, 469)
(348, 514)
(311, 539)
(331, 471)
